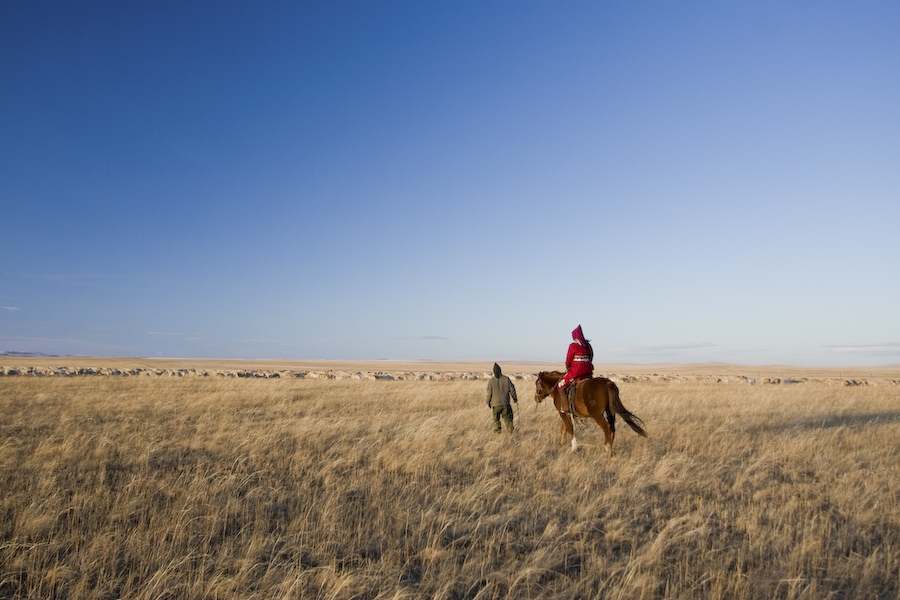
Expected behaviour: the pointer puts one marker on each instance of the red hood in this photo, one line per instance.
(578, 336)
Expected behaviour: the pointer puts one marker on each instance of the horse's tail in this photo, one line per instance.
(632, 419)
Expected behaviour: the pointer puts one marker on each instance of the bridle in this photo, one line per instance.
(538, 398)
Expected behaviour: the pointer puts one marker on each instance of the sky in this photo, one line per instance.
(452, 180)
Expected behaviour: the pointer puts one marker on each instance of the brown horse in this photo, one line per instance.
(597, 397)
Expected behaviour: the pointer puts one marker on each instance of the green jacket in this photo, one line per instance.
(500, 390)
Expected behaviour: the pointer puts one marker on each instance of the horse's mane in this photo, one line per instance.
(555, 374)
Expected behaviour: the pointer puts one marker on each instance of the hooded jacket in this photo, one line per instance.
(579, 360)
(500, 389)
(580, 351)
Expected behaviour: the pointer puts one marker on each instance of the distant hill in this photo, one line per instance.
(27, 354)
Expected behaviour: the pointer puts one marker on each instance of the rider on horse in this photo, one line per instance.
(578, 365)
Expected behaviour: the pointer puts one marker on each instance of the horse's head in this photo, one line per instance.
(541, 390)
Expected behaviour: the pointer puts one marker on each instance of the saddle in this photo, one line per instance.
(570, 392)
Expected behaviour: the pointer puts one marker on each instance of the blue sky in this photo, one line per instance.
(690, 181)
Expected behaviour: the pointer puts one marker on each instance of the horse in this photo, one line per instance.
(596, 397)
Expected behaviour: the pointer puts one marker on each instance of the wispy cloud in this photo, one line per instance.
(67, 346)
(259, 341)
(420, 337)
(9, 307)
(673, 348)
(890, 348)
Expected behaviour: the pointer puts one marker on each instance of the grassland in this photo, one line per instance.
(213, 487)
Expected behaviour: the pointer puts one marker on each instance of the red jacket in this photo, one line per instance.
(579, 359)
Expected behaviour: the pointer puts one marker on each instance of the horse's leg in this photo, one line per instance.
(562, 417)
(611, 418)
(568, 426)
(578, 396)
(608, 425)
(607, 430)
(559, 401)
(570, 421)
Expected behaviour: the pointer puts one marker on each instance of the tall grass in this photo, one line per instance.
(196, 488)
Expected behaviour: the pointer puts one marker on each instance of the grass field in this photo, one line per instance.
(203, 488)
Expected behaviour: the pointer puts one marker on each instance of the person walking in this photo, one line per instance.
(499, 391)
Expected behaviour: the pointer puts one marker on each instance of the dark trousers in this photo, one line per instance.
(505, 411)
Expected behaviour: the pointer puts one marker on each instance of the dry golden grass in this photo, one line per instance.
(233, 488)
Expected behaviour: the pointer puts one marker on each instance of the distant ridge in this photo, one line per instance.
(27, 354)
